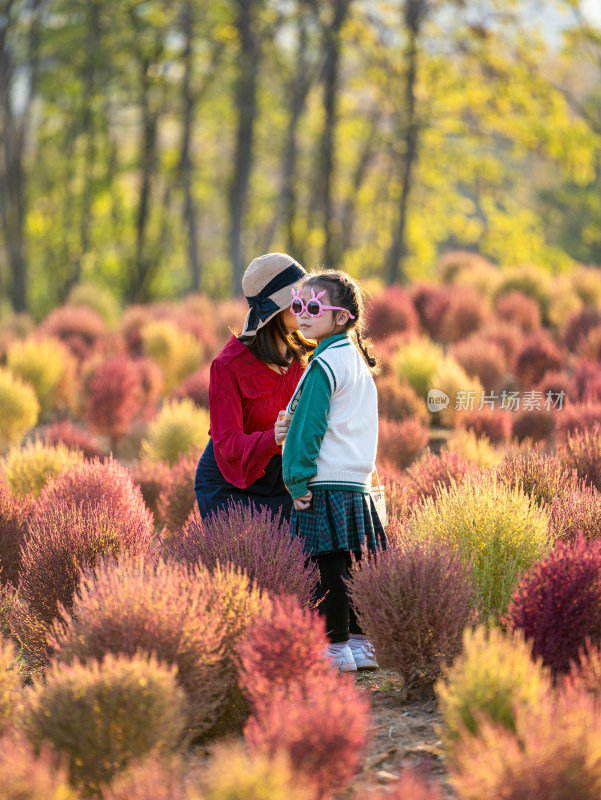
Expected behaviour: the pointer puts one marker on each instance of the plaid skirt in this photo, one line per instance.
(339, 520)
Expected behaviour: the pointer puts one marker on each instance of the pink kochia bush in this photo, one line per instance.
(64, 538)
(554, 754)
(582, 452)
(424, 477)
(577, 417)
(151, 476)
(255, 541)
(80, 328)
(15, 513)
(391, 312)
(539, 354)
(536, 424)
(578, 327)
(400, 443)
(585, 386)
(494, 424)
(195, 386)
(114, 396)
(413, 602)
(27, 775)
(283, 647)
(321, 725)
(519, 309)
(65, 432)
(483, 360)
(557, 604)
(576, 513)
(176, 498)
(542, 477)
(95, 481)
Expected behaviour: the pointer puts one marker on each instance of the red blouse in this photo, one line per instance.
(245, 396)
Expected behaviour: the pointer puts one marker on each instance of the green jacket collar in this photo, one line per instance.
(327, 342)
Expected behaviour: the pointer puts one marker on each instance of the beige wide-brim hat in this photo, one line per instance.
(267, 285)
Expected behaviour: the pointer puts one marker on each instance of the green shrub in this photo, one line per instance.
(499, 530)
(179, 428)
(27, 776)
(27, 470)
(494, 675)
(233, 775)
(101, 716)
(19, 409)
(416, 362)
(176, 351)
(47, 366)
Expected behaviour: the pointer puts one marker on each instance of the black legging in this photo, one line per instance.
(336, 606)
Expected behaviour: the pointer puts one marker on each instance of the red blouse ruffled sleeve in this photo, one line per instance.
(244, 400)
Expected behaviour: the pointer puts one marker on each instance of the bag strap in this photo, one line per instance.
(378, 484)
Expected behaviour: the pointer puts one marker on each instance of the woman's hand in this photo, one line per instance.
(302, 503)
(281, 428)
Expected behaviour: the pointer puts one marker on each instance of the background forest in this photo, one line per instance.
(156, 147)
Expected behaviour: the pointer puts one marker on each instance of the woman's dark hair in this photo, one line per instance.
(343, 291)
(265, 344)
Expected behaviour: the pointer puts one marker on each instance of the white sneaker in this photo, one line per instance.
(341, 658)
(364, 654)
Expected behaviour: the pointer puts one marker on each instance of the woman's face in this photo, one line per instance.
(290, 321)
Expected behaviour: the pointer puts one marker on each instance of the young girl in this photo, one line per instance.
(329, 453)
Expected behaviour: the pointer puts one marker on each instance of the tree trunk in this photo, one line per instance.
(13, 129)
(414, 13)
(330, 99)
(246, 105)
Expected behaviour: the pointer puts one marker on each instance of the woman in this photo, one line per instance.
(252, 380)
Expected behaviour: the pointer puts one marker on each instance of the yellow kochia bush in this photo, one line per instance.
(28, 469)
(494, 675)
(100, 716)
(179, 428)
(176, 351)
(19, 409)
(48, 366)
(500, 531)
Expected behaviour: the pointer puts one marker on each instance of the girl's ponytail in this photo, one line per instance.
(372, 362)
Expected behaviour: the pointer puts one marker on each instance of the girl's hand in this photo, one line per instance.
(281, 428)
(302, 503)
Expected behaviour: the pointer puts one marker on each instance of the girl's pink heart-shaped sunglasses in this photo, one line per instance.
(314, 307)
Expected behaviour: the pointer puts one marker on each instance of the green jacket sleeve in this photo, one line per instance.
(307, 429)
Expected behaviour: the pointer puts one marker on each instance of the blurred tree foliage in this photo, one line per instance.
(156, 147)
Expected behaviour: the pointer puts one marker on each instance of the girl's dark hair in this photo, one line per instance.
(265, 344)
(343, 291)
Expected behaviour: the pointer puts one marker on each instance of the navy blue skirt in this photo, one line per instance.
(213, 492)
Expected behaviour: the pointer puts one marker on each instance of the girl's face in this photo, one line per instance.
(290, 321)
(319, 328)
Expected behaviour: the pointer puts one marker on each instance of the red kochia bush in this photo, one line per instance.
(399, 401)
(585, 672)
(322, 725)
(283, 647)
(506, 336)
(537, 424)
(195, 386)
(519, 309)
(151, 477)
(576, 512)
(538, 354)
(15, 513)
(400, 443)
(150, 779)
(27, 775)
(413, 602)
(94, 481)
(586, 381)
(426, 476)
(114, 395)
(431, 302)
(64, 538)
(578, 326)
(495, 424)
(80, 328)
(557, 604)
(483, 360)
(582, 452)
(578, 417)
(255, 541)
(542, 477)
(65, 432)
(391, 312)
(176, 498)
(465, 313)
(151, 383)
